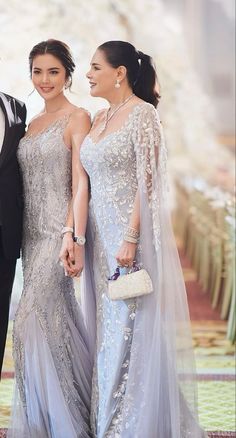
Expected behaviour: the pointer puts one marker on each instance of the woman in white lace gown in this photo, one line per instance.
(143, 381)
(53, 368)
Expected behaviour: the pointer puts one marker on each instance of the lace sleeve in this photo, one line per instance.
(151, 156)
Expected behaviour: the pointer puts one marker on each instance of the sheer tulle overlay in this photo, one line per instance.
(52, 363)
(144, 382)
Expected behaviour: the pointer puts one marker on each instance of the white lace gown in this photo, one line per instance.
(143, 382)
(52, 364)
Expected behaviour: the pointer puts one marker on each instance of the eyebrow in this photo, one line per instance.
(95, 63)
(49, 69)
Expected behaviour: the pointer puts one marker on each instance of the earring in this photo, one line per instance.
(68, 83)
(117, 84)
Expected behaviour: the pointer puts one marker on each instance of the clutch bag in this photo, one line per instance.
(133, 284)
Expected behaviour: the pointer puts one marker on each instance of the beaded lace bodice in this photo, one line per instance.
(45, 164)
(111, 164)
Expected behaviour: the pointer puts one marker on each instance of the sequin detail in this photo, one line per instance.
(45, 164)
(117, 165)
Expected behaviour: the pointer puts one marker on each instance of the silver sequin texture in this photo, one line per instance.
(114, 165)
(45, 164)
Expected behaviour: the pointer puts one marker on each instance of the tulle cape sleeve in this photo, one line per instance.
(163, 372)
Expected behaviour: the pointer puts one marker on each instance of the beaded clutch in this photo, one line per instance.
(135, 283)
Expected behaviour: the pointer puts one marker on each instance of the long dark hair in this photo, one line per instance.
(141, 72)
(58, 49)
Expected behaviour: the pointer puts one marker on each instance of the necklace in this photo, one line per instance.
(108, 117)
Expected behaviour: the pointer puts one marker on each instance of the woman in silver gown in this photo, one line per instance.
(144, 379)
(53, 368)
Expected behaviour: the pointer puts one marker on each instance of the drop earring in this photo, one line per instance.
(117, 84)
(68, 83)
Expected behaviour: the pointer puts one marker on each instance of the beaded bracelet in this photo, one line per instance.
(130, 239)
(67, 230)
(131, 235)
(132, 232)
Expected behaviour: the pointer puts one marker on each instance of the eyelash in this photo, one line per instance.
(51, 72)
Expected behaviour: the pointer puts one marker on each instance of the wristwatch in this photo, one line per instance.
(80, 240)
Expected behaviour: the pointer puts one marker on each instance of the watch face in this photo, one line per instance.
(80, 240)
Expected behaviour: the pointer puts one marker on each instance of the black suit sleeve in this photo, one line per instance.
(24, 112)
(21, 110)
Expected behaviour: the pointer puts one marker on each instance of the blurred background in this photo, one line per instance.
(193, 46)
(192, 43)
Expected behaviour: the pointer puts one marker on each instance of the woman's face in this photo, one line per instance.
(48, 76)
(102, 76)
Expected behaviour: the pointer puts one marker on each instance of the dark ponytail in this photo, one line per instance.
(141, 73)
(145, 85)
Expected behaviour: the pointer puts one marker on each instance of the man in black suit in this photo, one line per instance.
(12, 128)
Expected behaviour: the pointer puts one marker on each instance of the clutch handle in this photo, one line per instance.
(117, 272)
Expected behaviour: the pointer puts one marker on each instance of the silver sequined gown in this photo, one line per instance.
(52, 365)
(112, 171)
(135, 390)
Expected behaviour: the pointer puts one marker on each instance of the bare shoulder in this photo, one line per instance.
(79, 122)
(80, 115)
(37, 119)
(100, 112)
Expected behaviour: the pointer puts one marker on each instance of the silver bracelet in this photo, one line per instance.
(131, 235)
(66, 230)
(132, 232)
(130, 239)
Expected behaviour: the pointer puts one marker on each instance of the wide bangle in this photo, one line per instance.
(132, 232)
(130, 239)
(131, 235)
(66, 230)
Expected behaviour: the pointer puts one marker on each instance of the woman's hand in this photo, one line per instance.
(66, 255)
(126, 254)
(78, 260)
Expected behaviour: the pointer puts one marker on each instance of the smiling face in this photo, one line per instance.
(102, 76)
(48, 76)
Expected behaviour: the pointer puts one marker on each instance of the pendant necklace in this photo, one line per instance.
(108, 117)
